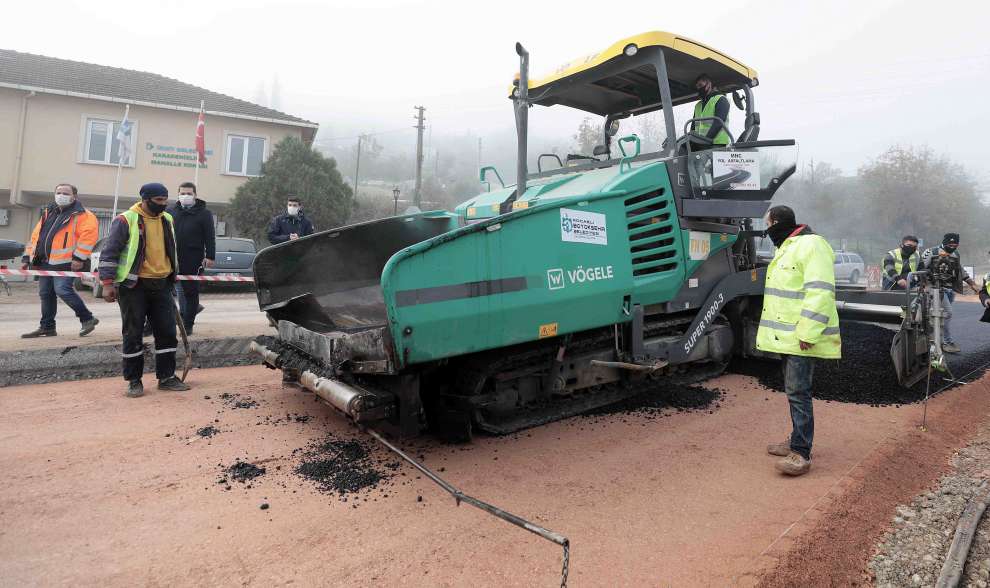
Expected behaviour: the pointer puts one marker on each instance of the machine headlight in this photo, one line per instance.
(631, 49)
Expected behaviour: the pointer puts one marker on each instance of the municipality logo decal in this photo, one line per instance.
(566, 225)
(555, 279)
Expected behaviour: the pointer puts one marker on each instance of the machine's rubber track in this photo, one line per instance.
(603, 396)
(474, 373)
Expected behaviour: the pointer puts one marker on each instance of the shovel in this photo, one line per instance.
(187, 364)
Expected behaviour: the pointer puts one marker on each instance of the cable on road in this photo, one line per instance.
(460, 497)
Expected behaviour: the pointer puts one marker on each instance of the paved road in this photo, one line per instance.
(227, 314)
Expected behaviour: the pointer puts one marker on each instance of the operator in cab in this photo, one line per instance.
(899, 263)
(710, 104)
(800, 323)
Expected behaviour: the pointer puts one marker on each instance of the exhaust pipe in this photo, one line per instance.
(344, 397)
(267, 355)
(358, 404)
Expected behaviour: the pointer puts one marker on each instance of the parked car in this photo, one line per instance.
(849, 267)
(235, 257)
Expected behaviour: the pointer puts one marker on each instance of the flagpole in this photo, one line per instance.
(202, 105)
(120, 163)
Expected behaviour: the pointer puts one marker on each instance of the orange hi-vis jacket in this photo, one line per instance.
(72, 238)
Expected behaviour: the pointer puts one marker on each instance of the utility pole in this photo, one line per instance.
(357, 168)
(479, 153)
(420, 119)
(436, 166)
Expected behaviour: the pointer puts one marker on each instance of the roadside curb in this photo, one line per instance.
(43, 366)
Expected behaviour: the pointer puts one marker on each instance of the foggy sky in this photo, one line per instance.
(845, 78)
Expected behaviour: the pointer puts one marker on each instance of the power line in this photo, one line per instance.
(359, 135)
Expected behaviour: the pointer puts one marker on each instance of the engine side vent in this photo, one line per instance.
(650, 220)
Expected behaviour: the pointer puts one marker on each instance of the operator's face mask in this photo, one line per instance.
(950, 248)
(187, 199)
(63, 199)
(909, 249)
(292, 209)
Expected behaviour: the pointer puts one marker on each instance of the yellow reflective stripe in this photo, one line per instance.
(810, 314)
(819, 286)
(830, 330)
(776, 325)
(784, 293)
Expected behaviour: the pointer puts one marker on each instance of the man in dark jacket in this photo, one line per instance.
(290, 225)
(196, 242)
(137, 270)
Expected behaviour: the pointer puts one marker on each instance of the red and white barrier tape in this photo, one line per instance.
(58, 274)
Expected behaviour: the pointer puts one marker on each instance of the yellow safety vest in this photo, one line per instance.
(898, 256)
(799, 300)
(708, 110)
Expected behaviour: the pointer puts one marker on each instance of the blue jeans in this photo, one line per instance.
(797, 384)
(948, 297)
(50, 290)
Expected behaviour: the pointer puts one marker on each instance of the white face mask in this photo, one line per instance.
(63, 199)
(293, 210)
(187, 199)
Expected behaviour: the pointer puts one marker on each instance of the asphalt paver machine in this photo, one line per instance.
(579, 285)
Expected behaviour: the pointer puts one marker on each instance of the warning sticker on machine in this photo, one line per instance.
(549, 330)
(740, 170)
(579, 226)
(701, 245)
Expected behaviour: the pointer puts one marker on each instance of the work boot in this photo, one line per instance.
(200, 308)
(39, 332)
(950, 347)
(780, 449)
(88, 326)
(135, 389)
(794, 465)
(172, 383)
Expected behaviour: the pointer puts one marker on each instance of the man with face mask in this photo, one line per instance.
(948, 249)
(196, 244)
(800, 323)
(290, 225)
(137, 268)
(710, 104)
(898, 263)
(62, 240)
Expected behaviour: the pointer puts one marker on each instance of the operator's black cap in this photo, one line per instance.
(153, 190)
(950, 238)
(909, 238)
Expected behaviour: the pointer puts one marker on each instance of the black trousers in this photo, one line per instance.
(151, 299)
(188, 292)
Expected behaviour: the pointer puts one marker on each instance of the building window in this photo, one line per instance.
(245, 155)
(102, 145)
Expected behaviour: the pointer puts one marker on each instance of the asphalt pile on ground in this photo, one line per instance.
(231, 400)
(243, 471)
(864, 375)
(342, 466)
(207, 431)
(661, 400)
(913, 551)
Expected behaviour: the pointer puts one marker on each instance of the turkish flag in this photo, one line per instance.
(201, 137)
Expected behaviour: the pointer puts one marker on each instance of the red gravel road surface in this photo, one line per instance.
(102, 490)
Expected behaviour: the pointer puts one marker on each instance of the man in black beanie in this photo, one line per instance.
(137, 268)
(948, 249)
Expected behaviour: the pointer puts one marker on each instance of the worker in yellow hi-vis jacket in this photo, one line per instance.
(800, 322)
